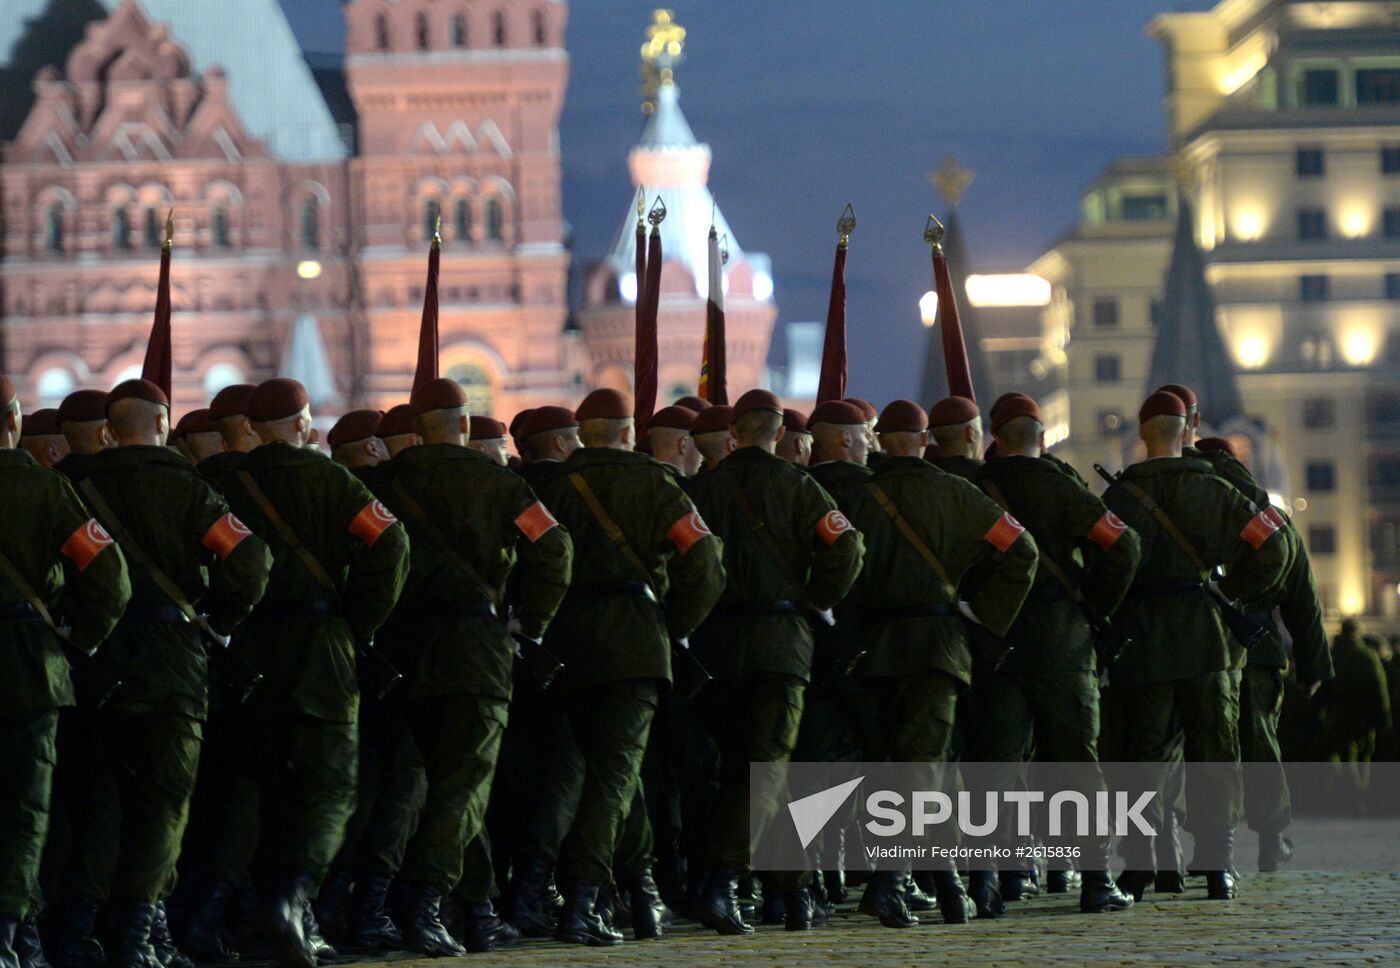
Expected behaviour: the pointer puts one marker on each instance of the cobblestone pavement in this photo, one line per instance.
(1285, 918)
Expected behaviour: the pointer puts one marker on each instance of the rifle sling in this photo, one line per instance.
(136, 553)
(288, 536)
(438, 540)
(613, 532)
(26, 590)
(912, 536)
(1167, 525)
(760, 528)
(1045, 561)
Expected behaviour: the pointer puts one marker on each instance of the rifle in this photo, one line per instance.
(94, 682)
(1248, 632)
(376, 674)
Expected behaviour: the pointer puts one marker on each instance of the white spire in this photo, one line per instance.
(306, 361)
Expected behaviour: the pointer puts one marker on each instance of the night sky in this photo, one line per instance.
(807, 105)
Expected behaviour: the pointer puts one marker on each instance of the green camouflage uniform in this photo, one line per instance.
(1357, 702)
(757, 644)
(302, 639)
(453, 648)
(153, 727)
(45, 538)
(613, 636)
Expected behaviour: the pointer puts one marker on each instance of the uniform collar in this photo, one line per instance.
(17, 457)
(1160, 466)
(137, 455)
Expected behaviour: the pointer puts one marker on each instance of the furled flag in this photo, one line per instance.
(954, 347)
(832, 385)
(713, 378)
(158, 363)
(428, 331)
(645, 359)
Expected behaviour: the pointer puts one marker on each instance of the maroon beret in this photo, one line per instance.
(1009, 406)
(865, 406)
(902, 416)
(194, 422)
(397, 422)
(517, 420)
(40, 423)
(1187, 395)
(438, 394)
(604, 404)
(541, 420)
(794, 421)
(712, 421)
(137, 390)
(277, 399)
(487, 428)
(1207, 445)
(836, 412)
(355, 425)
(7, 390)
(675, 417)
(757, 399)
(231, 401)
(694, 404)
(1162, 404)
(83, 406)
(953, 410)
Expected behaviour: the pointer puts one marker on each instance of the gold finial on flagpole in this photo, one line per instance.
(169, 242)
(846, 224)
(437, 232)
(657, 215)
(933, 234)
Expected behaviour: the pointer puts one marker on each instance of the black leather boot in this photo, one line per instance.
(581, 923)
(166, 952)
(205, 939)
(1275, 850)
(648, 910)
(29, 947)
(333, 906)
(290, 944)
(535, 914)
(1061, 881)
(8, 956)
(80, 947)
(483, 929)
(750, 895)
(953, 902)
(314, 937)
(374, 929)
(1017, 885)
(822, 908)
(773, 910)
(1135, 883)
(798, 912)
(133, 938)
(1098, 894)
(718, 907)
(1220, 883)
(985, 891)
(425, 933)
(915, 896)
(884, 899)
(1169, 882)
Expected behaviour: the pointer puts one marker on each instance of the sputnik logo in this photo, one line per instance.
(811, 813)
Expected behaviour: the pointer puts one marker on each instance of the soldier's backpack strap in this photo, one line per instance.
(438, 540)
(1045, 561)
(912, 536)
(135, 552)
(26, 590)
(288, 536)
(1167, 524)
(614, 533)
(760, 528)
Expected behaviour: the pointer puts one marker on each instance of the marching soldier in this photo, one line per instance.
(647, 570)
(693, 403)
(1045, 698)
(872, 417)
(488, 437)
(840, 442)
(788, 551)
(200, 439)
(42, 439)
(1357, 702)
(955, 423)
(82, 418)
(1183, 672)
(668, 432)
(49, 548)
(795, 447)
(356, 445)
(711, 432)
(195, 554)
(926, 531)
(339, 563)
(396, 430)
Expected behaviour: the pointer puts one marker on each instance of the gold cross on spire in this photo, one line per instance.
(662, 51)
(951, 179)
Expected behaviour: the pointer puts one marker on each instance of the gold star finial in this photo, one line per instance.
(951, 179)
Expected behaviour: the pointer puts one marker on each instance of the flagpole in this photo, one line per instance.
(427, 368)
(158, 364)
(645, 361)
(832, 385)
(954, 346)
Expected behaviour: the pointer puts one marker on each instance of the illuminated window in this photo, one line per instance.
(1310, 163)
(1108, 368)
(53, 385)
(1144, 208)
(1312, 223)
(1109, 422)
(53, 228)
(459, 30)
(221, 375)
(1391, 221)
(1390, 160)
(462, 219)
(310, 225)
(498, 32)
(495, 224)
(420, 31)
(477, 384)
(1313, 288)
(1322, 477)
(1378, 85)
(150, 229)
(121, 230)
(1318, 88)
(1322, 539)
(1105, 312)
(1319, 413)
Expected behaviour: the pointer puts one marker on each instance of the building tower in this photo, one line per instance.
(670, 163)
(458, 107)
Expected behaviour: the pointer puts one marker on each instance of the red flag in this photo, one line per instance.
(954, 348)
(645, 359)
(832, 385)
(158, 363)
(639, 304)
(713, 376)
(428, 331)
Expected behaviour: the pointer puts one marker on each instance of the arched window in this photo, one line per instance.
(53, 385)
(432, 212)
(420, 31)
(476, 382)
(541, 31)
(218, 227)
(310, 225)
(495, 223)
(462, 220)
(53, 228)
(221, 375)
(121, 230)
(499, 32)
(381, 32)
(150, 229)
(459, 30)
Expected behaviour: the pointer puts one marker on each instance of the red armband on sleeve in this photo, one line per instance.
(86, 543)
(832, 525)
(1259, 529)
(535, 521)
(224, 535)
(1275, 515)
(371, 522)
(688, 530)
(1004, 533)
(1107, 530)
